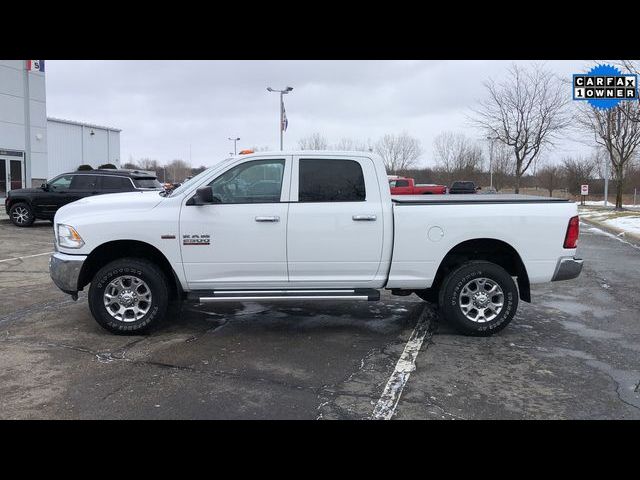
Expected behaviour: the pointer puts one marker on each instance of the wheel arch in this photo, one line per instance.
(13, 201)
(107, 252)
(491, 250)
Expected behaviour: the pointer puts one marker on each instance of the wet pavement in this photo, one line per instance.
(573, 353)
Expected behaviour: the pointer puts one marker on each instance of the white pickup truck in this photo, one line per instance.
(309, 226)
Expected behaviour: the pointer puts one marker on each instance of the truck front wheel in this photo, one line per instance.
(128, 296)
(479, 298)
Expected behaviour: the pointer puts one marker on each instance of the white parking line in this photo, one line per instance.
(386, 406)
(26, 256)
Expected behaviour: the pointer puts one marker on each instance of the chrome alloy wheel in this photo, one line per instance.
(20, 215)
(481, 300)
(127, 298)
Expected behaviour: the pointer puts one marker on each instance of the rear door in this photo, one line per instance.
(83, 186)
(402, 187)
(335, 228)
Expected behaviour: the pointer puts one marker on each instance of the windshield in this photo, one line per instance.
(186, 185)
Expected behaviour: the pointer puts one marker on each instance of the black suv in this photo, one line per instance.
(25, 205)
(463, 187)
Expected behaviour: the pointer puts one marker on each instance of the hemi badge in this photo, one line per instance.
(168, 237)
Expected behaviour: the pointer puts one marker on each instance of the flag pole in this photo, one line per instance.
(281, 119)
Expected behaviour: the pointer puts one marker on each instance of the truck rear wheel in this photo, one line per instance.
(128, 296)
(479, 298)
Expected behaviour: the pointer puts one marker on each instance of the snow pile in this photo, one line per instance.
(628, 222)
(593, 203)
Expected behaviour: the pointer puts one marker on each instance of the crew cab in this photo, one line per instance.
(26, 205)
(309, 226)
(408, 186)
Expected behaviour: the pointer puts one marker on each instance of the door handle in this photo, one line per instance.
(268, 219)
(364, 218)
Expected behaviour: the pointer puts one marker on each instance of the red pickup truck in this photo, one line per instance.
(408, 186)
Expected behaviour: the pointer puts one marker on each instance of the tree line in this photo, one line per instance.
(176, 171)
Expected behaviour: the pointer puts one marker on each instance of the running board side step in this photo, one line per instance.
(210, 296)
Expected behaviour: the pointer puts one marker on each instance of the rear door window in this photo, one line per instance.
(119, 184)
(84, 182)
(330, 181)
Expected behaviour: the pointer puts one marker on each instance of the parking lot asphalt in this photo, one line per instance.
(573, 353)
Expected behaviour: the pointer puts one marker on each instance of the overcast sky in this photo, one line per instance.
(164, 107)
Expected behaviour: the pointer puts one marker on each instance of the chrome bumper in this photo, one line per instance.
(567, 268)
(65, 271)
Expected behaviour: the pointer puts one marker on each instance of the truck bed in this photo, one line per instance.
(472, 198)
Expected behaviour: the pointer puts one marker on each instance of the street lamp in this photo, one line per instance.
(281, 92)
(235, 141)
(491, 139)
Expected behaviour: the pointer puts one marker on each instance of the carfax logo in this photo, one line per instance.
(605, 86)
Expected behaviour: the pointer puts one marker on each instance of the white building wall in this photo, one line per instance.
(49, 146)
(23, 115)
(71, 144)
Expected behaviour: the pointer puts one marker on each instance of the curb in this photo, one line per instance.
(632, 238)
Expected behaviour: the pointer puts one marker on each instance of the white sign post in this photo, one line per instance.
(584, 191)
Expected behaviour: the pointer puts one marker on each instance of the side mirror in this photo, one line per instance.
(44, 187)
(204, 196)
(478, 188)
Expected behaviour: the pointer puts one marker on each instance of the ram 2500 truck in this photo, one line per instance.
(309, 226)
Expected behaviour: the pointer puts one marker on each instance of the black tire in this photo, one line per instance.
(21, 215)
(142, 270)
(450, 298)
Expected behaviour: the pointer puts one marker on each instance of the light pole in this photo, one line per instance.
(235, 141)
(490, 162)
(282, 123)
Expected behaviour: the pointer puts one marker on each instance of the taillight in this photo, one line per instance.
(573, 230)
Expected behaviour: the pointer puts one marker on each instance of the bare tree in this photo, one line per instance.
(399, 152)
(578, 171)
(616, 130)
(502, 165)
(346, 144)
(315, 141)
(550, 177)
(457, 156)
(177, 170)
(526, 112)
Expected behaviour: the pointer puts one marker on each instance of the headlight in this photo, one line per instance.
(68, 237)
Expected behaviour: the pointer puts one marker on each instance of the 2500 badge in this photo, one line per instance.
(196, 240)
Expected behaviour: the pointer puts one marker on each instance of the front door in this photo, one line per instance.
(241, 241)
(16, 174)
(11, 175)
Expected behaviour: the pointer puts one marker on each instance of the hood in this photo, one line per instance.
(109, 203)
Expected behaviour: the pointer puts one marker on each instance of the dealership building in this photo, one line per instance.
(34, 147)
